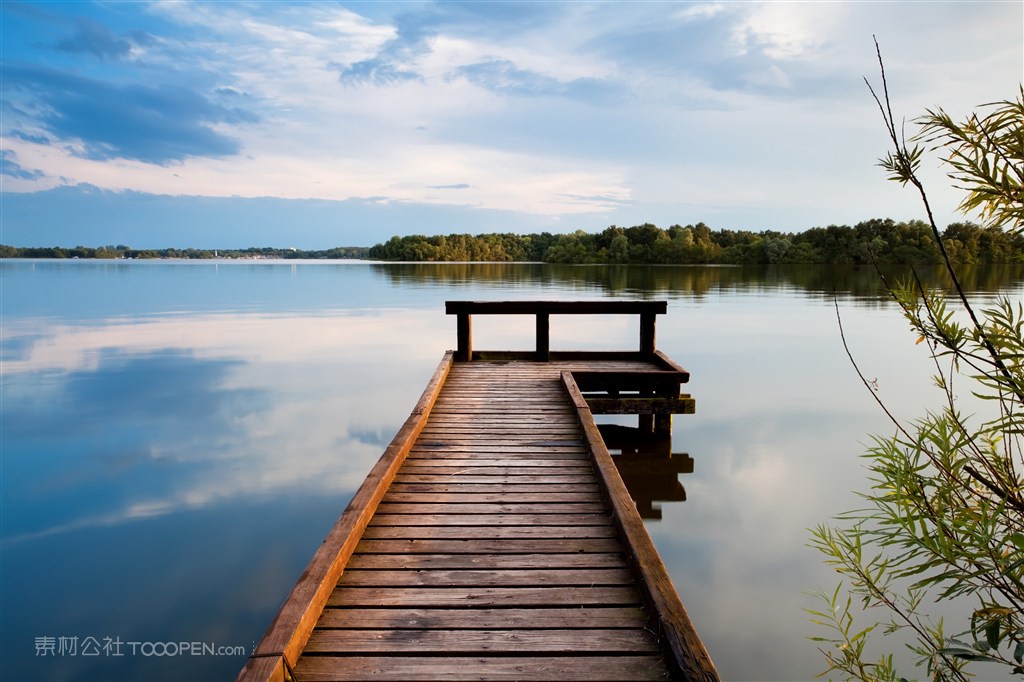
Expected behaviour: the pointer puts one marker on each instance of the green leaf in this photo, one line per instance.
(992, 634)
(968, 654)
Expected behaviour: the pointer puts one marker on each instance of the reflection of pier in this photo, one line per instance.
(647, 466)
(495, 538)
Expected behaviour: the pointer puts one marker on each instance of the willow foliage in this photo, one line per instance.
(944, 516)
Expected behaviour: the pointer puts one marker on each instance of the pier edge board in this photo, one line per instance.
(682, 646)
(292, 626)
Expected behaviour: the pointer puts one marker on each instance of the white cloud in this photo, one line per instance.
(411, 173)
(786, 30)
(700, 10)
(321, 139)
(528, 145)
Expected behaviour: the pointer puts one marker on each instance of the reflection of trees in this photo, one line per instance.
(647, 466)
(860, 282)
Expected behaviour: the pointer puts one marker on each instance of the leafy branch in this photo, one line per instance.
(944, 517)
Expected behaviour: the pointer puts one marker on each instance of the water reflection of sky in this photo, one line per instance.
(159, 468)
(178, 438)
(122, 420)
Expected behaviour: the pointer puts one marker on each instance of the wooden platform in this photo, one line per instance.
(494, 540)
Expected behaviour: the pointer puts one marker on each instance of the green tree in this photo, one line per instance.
(618, 249)
(944, 517)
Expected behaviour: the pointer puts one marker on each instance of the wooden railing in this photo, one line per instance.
(543, 310)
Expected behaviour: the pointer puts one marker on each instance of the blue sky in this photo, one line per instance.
(317, 124)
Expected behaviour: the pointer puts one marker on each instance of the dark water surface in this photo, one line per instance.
(177, 438)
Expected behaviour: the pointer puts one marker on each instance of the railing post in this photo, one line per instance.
(543, 337)
(647, 332)
(464, 334)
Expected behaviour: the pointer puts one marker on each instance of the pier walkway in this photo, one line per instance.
(495, 540)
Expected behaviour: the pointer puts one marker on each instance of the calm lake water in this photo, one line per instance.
(178, 437)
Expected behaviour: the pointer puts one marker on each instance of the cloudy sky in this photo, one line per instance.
(317, 124)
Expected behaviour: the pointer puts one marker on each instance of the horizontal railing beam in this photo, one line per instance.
(555, 307)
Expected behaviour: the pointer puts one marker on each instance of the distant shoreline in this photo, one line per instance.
(126, 253)
(879, 241)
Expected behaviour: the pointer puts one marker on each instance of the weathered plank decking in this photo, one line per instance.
(495, 539)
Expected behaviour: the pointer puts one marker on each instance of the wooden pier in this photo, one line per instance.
(495, 538)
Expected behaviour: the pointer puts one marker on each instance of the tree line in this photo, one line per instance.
(122, 251)
(881, 241)
(878, 240)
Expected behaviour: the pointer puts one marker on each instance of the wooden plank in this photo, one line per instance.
(481, 642)
(534, 442)
(453, 469)
(488, 533)
(497, 446)
(502, 434)
(485, 596)
(501, 391)
(495, 408)
(457, 669)
(488, 520)
(502, 400)
(554, 307)
(449, 477)
(527, 385)
(583, 485)
(526, 449)
(496, 577)
(630, 380)
(289, 630)
(490, 545)
(513, 508)
(493, 428)
(527, 376)
(513, 432)
(481, 619)
(499, 417)
(668, 363)
(630, 405)
(526, 456)
(486, 561)
(491, 449)
(500, 494)
(524, 408)
(574, 488)
(561, 356)
(481, 463)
